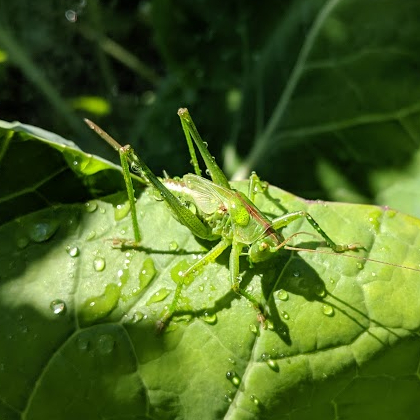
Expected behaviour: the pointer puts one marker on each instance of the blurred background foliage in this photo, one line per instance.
(321, 98)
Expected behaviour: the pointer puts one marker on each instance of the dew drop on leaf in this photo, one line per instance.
(160, 295)
(73, 251)
(209, 318)
(83, 343)
(320, 291)
(328, 310)
(147, 273)
(121, 210)
(99, 264)
(228, 396)
(254, 399)
(22, 242)
(272, 364)
(91, 235)
(173, 246)
(253, 328)
(105, 344)
(137, 317)
(91, 206)
(233, 377)
(58, 307)
(98, 307)
(285, 315)
(43, 230)
(282, 294)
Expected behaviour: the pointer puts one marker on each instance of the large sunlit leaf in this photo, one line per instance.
(78, 318)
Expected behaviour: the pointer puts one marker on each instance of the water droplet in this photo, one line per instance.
(228, 396)
(296, 274)
(285, 315)
(282, 294)
(58, 307)
(254, 399)
(230, 360)
(121, 211)
(97, 307)
(106, 344)
(83, 343)
(160, 295)
(90, 235)
(99, 264)
(269, 325)
(272, 364)
(359, 265)
(209, 318)
(23, 329)
(73, 251)
(173, 246)
(123, 276)
(254, 329)
(22, 242)
(71, 16)
(373, 274)
(137, 317)
(43, 230)
(328, 310)
(91, 206)
(177, 273)
(233, 377)
(320, 291)
(147, 273)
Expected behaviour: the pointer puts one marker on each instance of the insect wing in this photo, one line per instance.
(208, 197)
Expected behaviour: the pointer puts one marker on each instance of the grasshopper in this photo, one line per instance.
(221, 212)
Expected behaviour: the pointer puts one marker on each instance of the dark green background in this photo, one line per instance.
(319, 97)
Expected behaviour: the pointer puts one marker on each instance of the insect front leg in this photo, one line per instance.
(286, 219)
(125, 153)
(190, 131)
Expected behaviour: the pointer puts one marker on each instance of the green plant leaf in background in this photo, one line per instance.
(39, 168)
(78, 318)
(328, 88)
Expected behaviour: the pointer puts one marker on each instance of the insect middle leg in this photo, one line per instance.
(208, 258)
(235, 279)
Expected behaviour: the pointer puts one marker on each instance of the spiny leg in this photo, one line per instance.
(255, 186)
(208, 258)
(124, 153)
(286, 219)
(235, 280)
(190, 130)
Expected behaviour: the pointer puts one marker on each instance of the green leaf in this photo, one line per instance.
(40, 168)
(78, 318)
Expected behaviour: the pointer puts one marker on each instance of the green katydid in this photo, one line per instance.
(221, 213)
